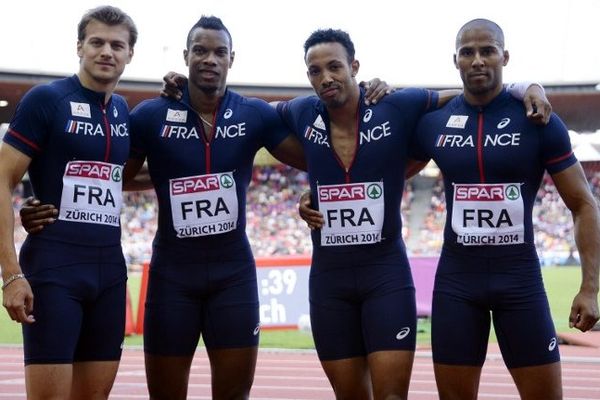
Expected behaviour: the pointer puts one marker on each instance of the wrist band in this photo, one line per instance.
(12, 279)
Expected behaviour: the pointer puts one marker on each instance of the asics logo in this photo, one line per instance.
(256, 330)
(368, 115)
(403, 333)
(503, 123)
(552, 344)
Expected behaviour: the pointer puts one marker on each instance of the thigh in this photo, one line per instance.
(93, 380)
(232, 372)
(172, 319)
(167, 376)
(231, 313)
(349, 378)
(538, 382)
(48, 381)
(335, 314)
(390, 373)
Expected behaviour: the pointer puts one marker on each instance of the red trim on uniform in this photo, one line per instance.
(107, 127)
(558, 159)
(480, 147)
(207, 156)
(24, 139)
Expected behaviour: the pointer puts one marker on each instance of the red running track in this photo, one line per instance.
(297, 375)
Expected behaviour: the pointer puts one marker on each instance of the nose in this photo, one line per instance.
(326, 79)
(106, 50)
(477, 60)
(210, 58)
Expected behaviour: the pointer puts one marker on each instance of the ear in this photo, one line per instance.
(130, 55)
(231, 58)
(355, 66)
(506, 57)
(454, 60)
(185, 57)
(79, 49)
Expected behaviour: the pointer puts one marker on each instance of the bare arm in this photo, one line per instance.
(573, 188)
(135, 177)
(290, 152)
(413, 167)
(17, 295)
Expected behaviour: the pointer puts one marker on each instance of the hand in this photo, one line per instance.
(584, 311)
(35, 216)
(313, 218)
(172, 85)
(375, 90)
(18, 300)
(537, 105)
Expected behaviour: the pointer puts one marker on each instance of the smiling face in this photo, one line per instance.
(209, 58)
(331, 74)
(103, 53)
(480, 57)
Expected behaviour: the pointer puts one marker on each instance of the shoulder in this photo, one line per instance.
(154, 105)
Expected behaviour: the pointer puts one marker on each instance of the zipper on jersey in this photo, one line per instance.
(480, 146)
(337, 157)
(107, 128)
(213, 132)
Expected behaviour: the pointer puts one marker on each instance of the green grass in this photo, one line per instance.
(561, 283)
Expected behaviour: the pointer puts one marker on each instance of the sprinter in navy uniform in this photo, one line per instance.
(493, 159)
(72, 136)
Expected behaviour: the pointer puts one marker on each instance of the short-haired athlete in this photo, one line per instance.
(362, 298)
(71, 135)
(493, 159)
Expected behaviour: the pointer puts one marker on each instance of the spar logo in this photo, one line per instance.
(512, 192)
(195, 184)
(479, 193)
(342, 192)
(226, 181)
(94, 170)
(374, 191)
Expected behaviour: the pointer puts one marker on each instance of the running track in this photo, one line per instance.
(297, 375)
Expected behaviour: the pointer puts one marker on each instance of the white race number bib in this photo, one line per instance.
(203, 205)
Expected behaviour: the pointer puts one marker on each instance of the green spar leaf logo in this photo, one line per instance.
(226, 181)
(374, 191)
(512, 192)
(116, 174)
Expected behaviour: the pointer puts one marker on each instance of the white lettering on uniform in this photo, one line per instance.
(231, 131)
(375, 133)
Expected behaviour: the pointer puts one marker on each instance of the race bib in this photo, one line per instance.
(353, 213)
(488, 214)
(204, 204)
(92, 193)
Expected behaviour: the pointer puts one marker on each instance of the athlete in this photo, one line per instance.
(493, 159)
(362, 300)
(72, 136)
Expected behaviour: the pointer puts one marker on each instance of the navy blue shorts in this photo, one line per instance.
(79, 302)
(208, 292)
(470, 292)
(361, 302)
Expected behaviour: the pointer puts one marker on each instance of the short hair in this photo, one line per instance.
(209, 22)
(330, 36)
(110, 16)
(481, 23)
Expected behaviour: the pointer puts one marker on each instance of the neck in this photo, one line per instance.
(97, 86)
(481, 99)
(204, 102)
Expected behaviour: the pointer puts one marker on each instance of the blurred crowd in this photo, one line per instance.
(275, 229)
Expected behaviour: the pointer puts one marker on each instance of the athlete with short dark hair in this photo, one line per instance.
(72, 137)
(493, 159)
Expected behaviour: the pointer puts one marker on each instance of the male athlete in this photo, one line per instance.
(493, 160)
(72, 136)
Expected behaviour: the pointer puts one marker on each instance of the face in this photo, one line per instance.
(103, 53)
(209, 58)
(480, 60)
(330, 73)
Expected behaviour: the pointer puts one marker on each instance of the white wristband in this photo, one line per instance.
(518, 89)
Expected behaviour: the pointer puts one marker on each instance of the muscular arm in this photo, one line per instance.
(573, 189)
(290, 152)
(17, 296)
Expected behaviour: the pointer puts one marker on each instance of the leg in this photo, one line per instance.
(349, 378)
(539, 382)
(167, 376)
(390, 373)
(93, 380)
(457, 382)
(48, 381)
(232, 372)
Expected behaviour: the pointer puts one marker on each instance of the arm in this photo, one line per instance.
(136, 176)
(172, 85)
(290, 152)
(313, 218)
(375, 90)
(447, 95)
(573, 189)
(537, 106)
(413, 167)
(17, 294)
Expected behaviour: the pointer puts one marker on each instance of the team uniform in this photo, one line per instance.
(75, 266)
(361, 291)
(493, 160)
(202, 272)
